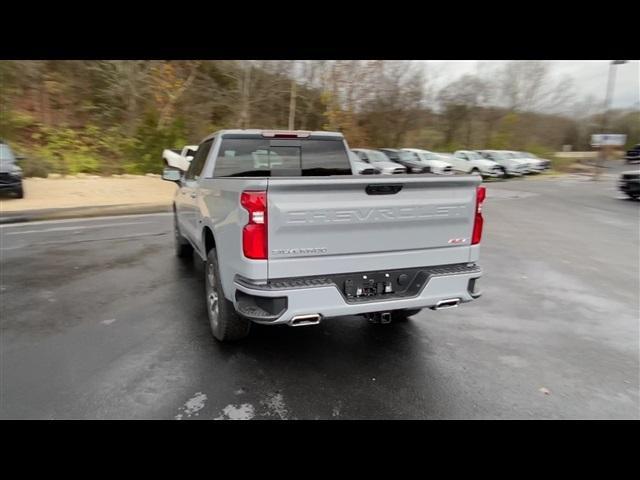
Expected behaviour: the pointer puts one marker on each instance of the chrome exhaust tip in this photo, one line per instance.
(448, 303)
(305, 320)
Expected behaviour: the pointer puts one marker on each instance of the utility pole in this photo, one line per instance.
(292, 104)
(293, 95)
(603, 153)
(245, 103)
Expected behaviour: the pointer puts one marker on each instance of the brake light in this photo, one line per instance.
(285, 134)
(254, 233)
(481, 193)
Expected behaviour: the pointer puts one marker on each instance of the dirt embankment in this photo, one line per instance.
(45, 193)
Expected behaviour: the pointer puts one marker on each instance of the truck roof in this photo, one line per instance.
(270, 133)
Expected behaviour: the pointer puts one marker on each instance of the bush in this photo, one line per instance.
(92, 149)
(144, 152)
(539, 150)
(35, 167)
(560, 164)
(426, 138)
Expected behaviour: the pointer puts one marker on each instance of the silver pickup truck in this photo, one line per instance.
(290, 236)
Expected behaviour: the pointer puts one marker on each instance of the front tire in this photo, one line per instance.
(226, 325)
(19, 192)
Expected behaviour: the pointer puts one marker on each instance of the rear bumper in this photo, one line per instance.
(517, 173)
(327, 300)
(8, 182)
(491, 173)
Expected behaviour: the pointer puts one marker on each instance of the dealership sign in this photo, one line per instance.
(608, 139)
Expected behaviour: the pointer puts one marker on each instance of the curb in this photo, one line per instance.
(82, 212)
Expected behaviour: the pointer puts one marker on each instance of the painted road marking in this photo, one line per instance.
(68, 241)
(65, 229)
(88, 219)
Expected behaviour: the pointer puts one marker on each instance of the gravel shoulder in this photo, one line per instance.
(71, 193)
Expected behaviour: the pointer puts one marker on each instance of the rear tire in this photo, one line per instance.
(19, 192)
(226, 325)
(182, 245)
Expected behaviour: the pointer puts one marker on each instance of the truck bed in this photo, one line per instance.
(324, 225)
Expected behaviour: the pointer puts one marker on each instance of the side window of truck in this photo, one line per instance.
(197, 164)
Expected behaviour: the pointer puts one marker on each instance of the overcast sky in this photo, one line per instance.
(589, 76)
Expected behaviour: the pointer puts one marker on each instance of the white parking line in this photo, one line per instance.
(64, 229)
(67, 241)
(88, 219)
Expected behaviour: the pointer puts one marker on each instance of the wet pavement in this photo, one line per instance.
(101, 321)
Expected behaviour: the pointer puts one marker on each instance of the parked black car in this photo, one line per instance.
(629, 183)
(10, 172)
(406, 159)
(633, 155)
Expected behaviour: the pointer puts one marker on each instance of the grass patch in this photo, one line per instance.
(562, 165)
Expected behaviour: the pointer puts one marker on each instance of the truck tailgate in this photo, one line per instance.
(326, 225)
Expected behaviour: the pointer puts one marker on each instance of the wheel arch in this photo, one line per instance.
(208, 240)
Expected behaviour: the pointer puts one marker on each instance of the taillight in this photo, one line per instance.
(285, 134)
(254, 233)
(481, 193)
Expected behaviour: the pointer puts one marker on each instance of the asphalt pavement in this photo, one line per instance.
(99, 320)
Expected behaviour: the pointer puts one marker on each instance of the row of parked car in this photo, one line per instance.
(488, 163)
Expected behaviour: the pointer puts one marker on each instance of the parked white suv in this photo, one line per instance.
(358, 167)
(432, 160)
(468, 161)
(536, 165)
(513, 166)
(519, 156)
(379, 161)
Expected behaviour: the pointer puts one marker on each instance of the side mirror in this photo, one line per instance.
(171, 175)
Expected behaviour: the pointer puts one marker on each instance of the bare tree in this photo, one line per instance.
(460, 101)
(528, 86)
(174, 83)
(125, 87)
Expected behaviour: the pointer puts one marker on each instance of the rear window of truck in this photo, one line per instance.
(244, 157)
